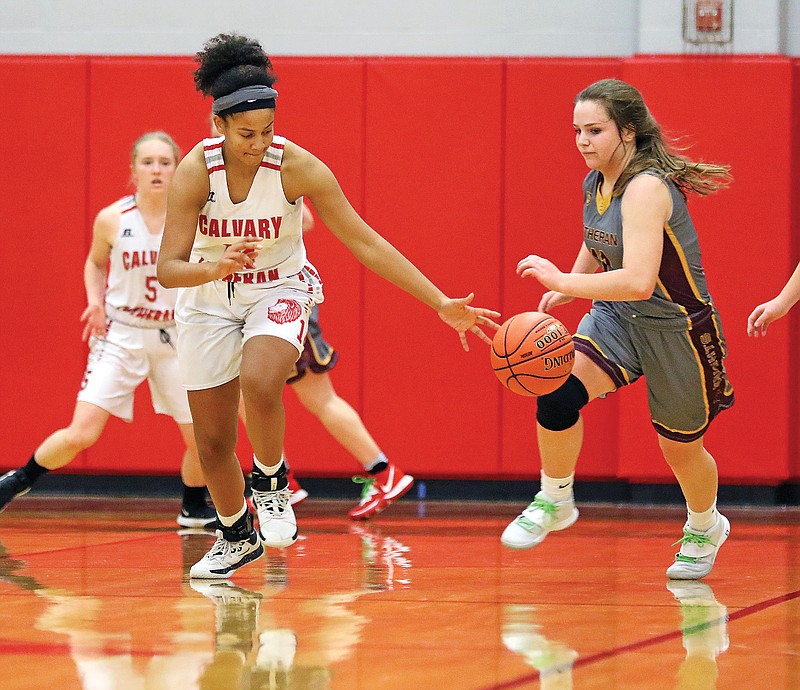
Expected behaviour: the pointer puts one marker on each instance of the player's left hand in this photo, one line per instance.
(459, 315)
(540, 268)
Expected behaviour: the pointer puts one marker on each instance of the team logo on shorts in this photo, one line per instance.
(284, 311)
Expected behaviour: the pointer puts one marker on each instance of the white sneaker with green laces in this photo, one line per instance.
(705, 620)
(698, 550)
(539, 518)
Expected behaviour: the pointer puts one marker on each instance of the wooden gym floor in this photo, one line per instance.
(95, 596)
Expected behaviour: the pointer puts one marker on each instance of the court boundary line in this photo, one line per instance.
(649, 642)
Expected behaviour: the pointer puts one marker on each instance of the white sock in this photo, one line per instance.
(228, 521)
(556, 489)
(700, 522)
(269, 470)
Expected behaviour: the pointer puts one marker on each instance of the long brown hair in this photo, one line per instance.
(626, 108)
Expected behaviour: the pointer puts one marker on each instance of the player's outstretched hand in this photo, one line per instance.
(553, 299)
(459, 315)
(94, 320)
(763, 315)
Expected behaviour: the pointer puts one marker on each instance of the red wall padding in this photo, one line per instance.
(44, 186)
(433, 183)
(465, 165)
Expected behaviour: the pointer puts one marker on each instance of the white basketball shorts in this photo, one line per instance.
(123, 359)
(216, 319)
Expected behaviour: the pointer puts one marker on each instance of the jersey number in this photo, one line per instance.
(601, 258)
(152, 288)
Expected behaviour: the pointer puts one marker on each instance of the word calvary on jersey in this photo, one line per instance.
(262, 228)
(136, 259)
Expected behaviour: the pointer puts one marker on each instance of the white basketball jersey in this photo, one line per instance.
(265, 215)
(134, 296)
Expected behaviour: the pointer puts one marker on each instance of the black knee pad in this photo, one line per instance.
(560, 409)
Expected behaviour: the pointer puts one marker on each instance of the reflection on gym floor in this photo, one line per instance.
(95, 599)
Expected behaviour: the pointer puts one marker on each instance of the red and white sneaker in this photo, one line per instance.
(380, 490)
(298, 494)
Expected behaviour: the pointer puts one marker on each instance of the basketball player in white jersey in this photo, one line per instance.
(233, 243)
(129, 322)
(383, 481)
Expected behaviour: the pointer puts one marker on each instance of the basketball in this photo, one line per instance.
(532, 353)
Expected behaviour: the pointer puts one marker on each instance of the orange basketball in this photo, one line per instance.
(532, 353)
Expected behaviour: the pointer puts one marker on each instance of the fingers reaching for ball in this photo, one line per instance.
(552, 299)
(458, 314)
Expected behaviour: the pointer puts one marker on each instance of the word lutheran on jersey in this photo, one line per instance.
(261, 228)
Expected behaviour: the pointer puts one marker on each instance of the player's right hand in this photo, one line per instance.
(94, 317)
(763, 315)
(238, 256)
(553, 299)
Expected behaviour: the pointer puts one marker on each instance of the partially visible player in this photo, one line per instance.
(129, 322)
(764, 314)
(384, 482)
(652, 316)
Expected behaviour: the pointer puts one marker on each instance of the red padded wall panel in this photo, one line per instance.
(321, 108)
(433, 183)
(129, 96)
(543, 175)
(710, 103)
(466, 190)
(793, 320)
(44, 192)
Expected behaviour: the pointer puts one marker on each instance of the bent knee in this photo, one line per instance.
(317, 399)
(560, 410)
(211, 447)
(266, 388)
(79, 438)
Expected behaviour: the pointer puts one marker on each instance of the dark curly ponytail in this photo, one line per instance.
(229, 62)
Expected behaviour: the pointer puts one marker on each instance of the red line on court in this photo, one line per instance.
(649, 642)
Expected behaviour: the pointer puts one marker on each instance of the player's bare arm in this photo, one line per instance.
(305, 175)
(584, 263)
(764, 314)
(95, 269)
(646, 206)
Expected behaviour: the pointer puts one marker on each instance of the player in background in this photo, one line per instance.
(129, 323)
(233, 243)
(651, 316)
